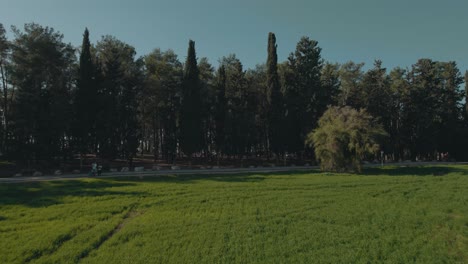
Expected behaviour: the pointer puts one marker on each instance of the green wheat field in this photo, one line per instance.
(392, 215)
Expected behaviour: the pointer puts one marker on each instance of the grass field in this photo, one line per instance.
(394, 215)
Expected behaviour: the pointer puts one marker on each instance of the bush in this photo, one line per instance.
(344, 137)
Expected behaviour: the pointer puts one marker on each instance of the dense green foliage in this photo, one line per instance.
(43, 73)
(239, 123)
(275, 104)
(394, 215)
(220, 110)
(57, 102)
(305, 97)
(191, 137)
(117, 128)
(160, 103)
(6, 91)
(344, 137)
(86, 101)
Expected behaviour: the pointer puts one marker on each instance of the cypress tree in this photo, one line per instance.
(274, 99)
(85, 104)
(191, 136)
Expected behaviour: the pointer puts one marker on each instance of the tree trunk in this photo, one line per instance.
(81, 161)
(5, 107)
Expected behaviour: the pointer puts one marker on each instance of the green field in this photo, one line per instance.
(394, 215)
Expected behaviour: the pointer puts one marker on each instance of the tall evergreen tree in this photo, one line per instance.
(220, 110)
(449, 107)
(257, 82)
(420, 121)
(208, 104)
(375, 96)
(375, 92)
(161, 101)
(85, 103)
(303, 92)
(351, 75)
(399, 85)
(122, 82)
(330, 82)
(191, 138)
(108, 126)
(43, 73)
(275, 100)
(239, 126)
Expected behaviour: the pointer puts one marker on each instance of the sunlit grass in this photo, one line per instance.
(395, 215)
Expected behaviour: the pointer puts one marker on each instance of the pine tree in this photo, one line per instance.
(449, 109)
(191, 137)
(274, 100)
(220, 109)
(108, 121)
(42, 108)
(398, 85)
(161, 98)
(330, 82)
(257, 82)
(208, 104)
(303, 92)
(121, 85)
(239, 118)
(351, 76)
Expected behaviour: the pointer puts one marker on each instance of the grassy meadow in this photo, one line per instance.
(393, 215)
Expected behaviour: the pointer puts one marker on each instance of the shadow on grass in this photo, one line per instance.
(414, 171)
(41, 194)
(260, 176)
(190, 178)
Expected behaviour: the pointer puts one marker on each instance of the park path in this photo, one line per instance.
(202, 172)
(158, 173)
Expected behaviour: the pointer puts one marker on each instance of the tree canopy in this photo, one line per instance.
(100, 98)
(344, 137)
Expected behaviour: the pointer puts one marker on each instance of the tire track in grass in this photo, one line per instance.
(59, 242)
(56, 244)
(131, 213)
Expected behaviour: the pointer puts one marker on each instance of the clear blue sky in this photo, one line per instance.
(396, 31)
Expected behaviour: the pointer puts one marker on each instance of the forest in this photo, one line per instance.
(59, 102)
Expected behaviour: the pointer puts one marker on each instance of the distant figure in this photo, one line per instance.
(99, 170)
(93, 169)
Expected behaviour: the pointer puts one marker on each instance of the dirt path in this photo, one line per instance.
(203, 172)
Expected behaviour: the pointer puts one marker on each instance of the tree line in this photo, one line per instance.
(59, 101)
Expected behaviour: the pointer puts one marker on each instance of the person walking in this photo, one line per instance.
(99, 170)
(93, 169)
